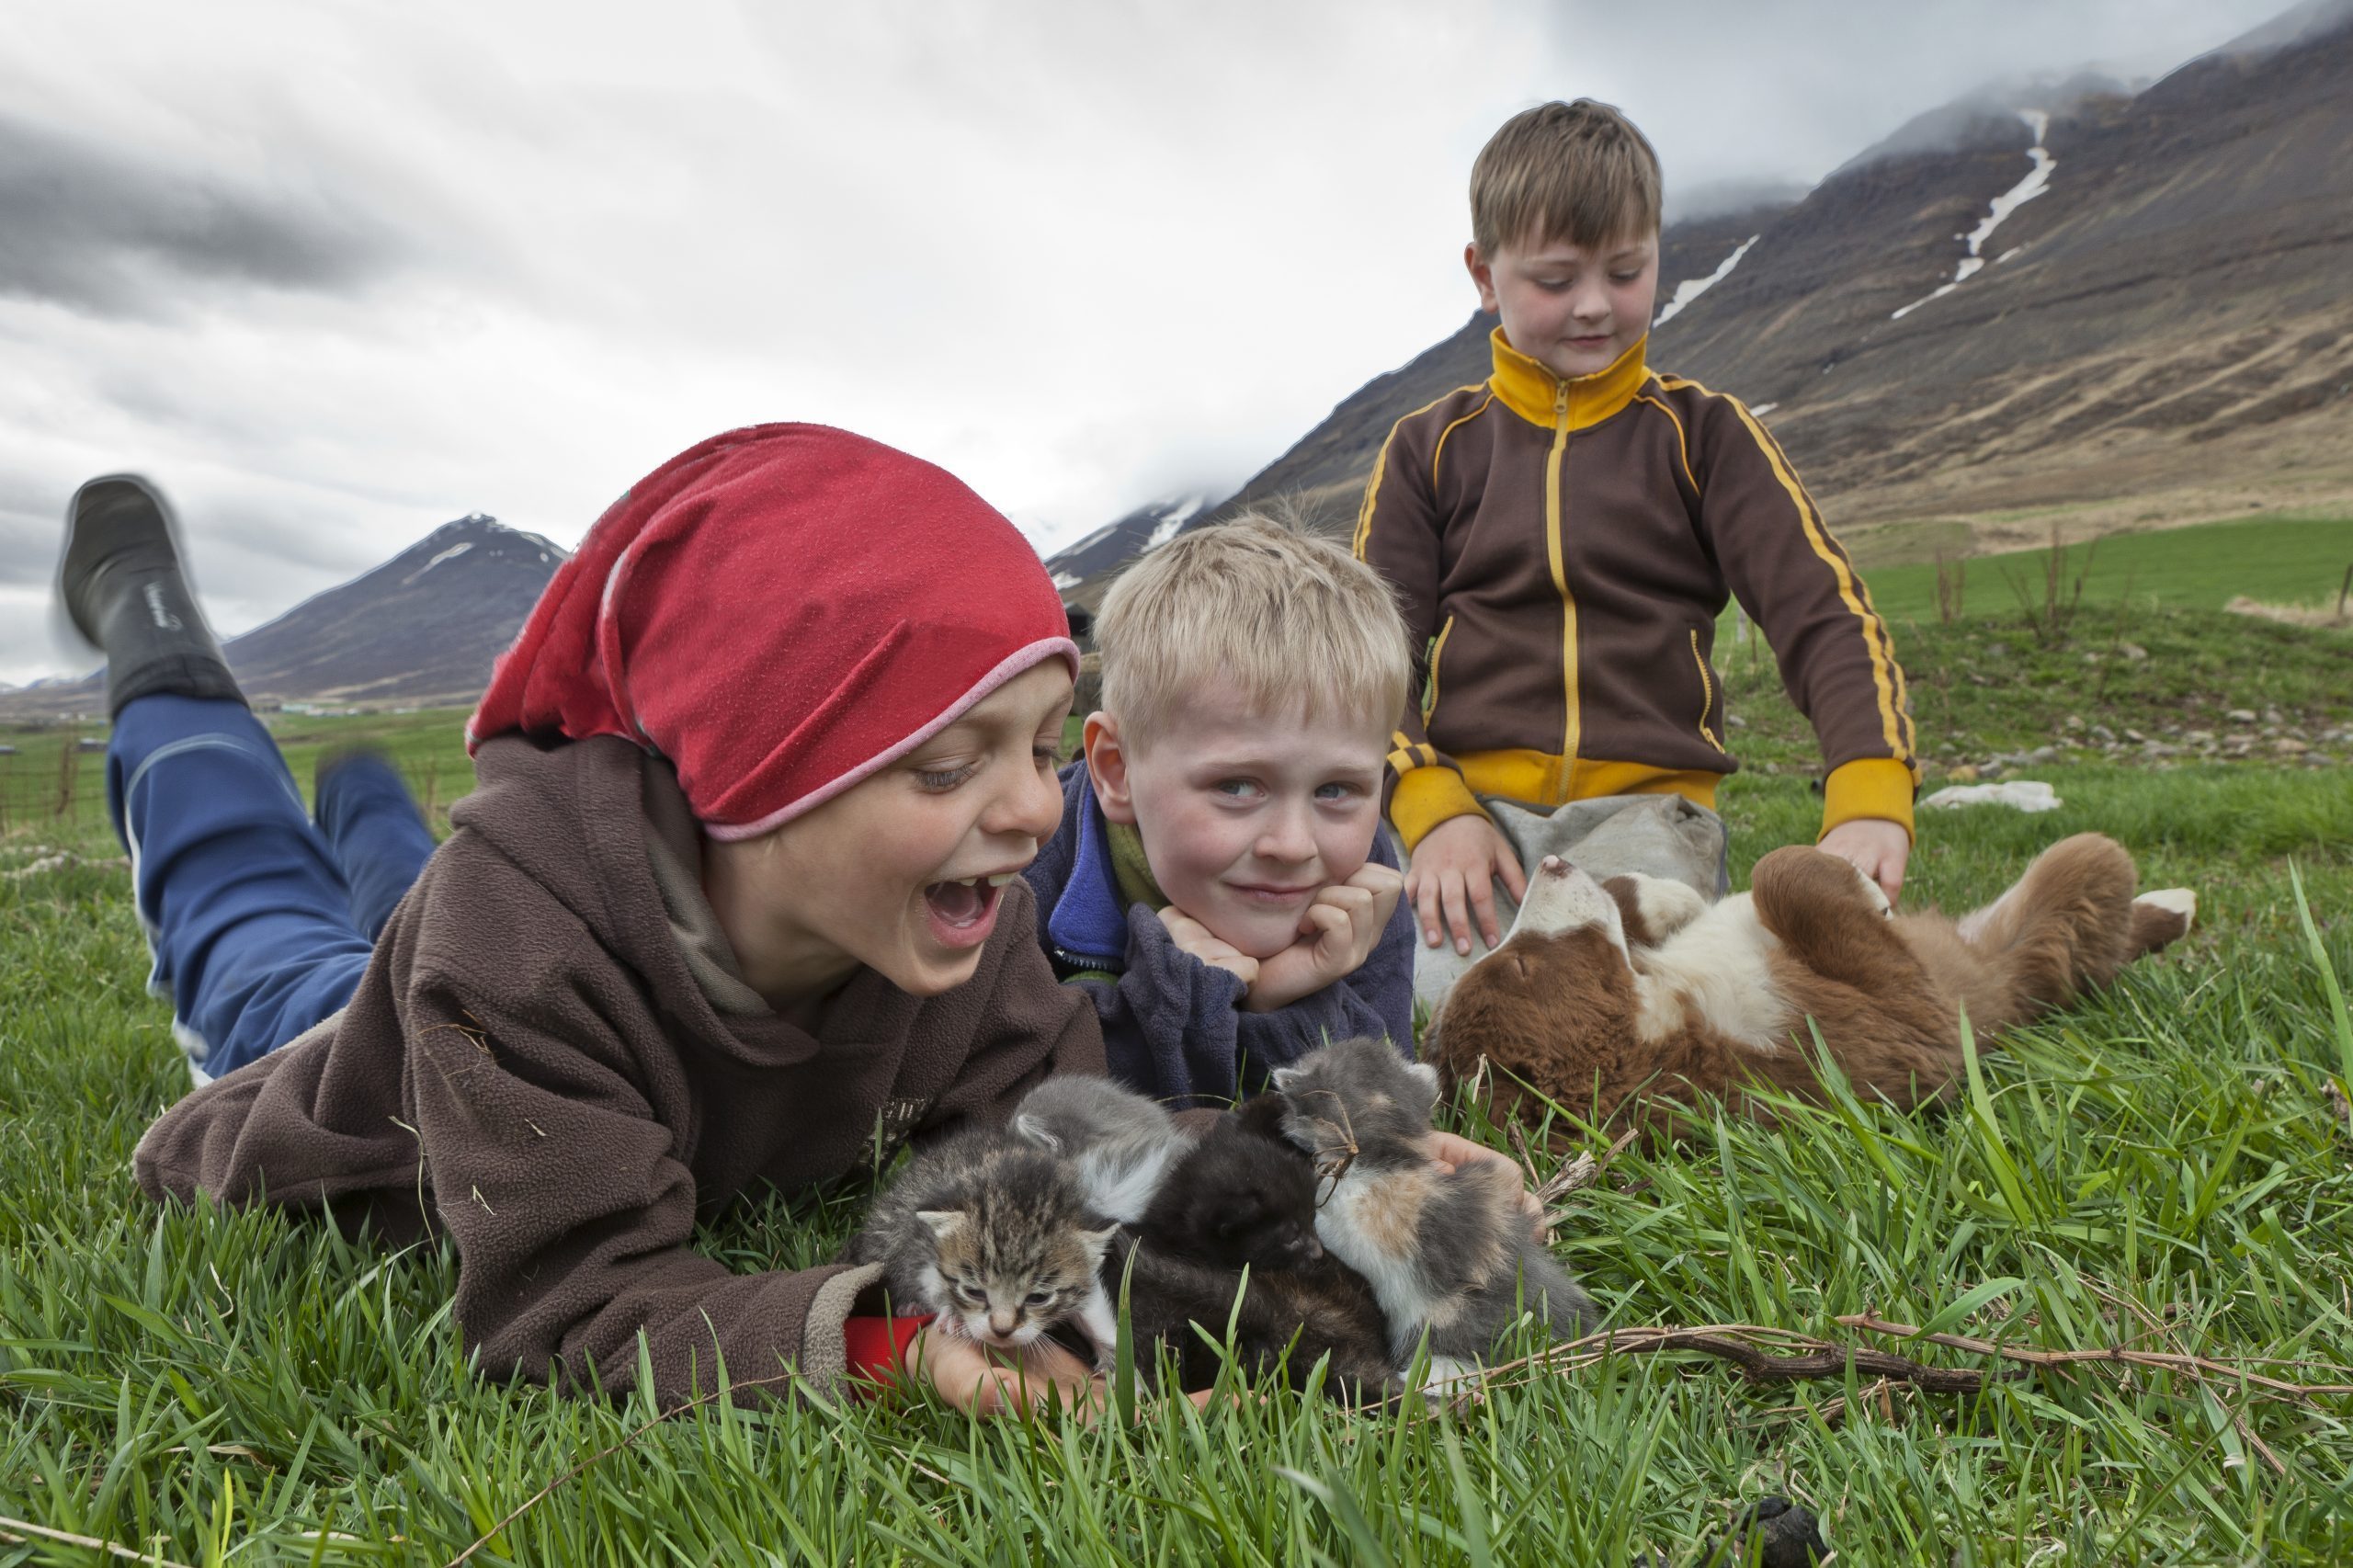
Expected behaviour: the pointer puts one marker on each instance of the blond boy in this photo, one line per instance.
(1219, 883)
(1563, 535)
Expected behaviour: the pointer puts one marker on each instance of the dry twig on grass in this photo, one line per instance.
(9, 1528)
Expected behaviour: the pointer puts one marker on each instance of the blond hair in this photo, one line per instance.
(1260, 604)
(1578, 173)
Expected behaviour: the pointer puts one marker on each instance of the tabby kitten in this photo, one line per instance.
(1447, 1252)
(994, 1238)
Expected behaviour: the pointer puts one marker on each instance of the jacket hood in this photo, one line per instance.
(601, 825)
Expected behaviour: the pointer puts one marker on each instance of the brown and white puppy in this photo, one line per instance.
(1637, 997)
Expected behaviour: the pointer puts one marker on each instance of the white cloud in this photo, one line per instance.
(433, 259)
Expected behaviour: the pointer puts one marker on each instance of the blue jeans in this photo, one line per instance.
(260, 922)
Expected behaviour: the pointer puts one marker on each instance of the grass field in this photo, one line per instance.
(2169, 1169)
(2276, 560)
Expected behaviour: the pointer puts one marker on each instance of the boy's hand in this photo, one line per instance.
(1191, 936)
(1447, 1151)
(980, 1381)
(1873, 846)
(1454, 871)
(1338, 931)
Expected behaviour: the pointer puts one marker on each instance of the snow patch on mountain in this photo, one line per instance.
(2038, 180)
(453, 550)
(1180, 513)
(1692, 289)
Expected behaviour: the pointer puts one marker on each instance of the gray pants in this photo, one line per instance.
(1657, 836)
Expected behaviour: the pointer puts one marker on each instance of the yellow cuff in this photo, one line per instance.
(1426, 797)
(1868, 787)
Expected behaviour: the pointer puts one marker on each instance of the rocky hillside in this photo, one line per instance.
(2128, 307)
(420, 631)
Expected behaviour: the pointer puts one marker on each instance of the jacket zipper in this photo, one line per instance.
(1429, 681)
(1707, 693)
(1571, 734)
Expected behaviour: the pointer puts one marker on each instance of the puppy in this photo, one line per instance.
(1635, 998)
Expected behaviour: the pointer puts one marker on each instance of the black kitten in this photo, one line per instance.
(1242, 1198)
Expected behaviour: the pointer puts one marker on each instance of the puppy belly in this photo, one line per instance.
(1716, 975)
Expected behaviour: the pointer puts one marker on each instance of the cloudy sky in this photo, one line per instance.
(336, 274)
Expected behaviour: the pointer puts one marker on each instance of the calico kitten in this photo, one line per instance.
(1449, 1252)
(995, 1238)
(1242, 1198)
(1121, 1143)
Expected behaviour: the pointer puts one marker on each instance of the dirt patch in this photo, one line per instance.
(2329, 617)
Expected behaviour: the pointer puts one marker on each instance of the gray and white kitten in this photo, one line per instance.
(1121, 1145)
(996, 1238)
(1449, 1252)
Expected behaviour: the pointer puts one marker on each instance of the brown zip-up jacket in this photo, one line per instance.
(1561, 550)
(553, 1057)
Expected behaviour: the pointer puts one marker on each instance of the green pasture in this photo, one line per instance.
(2165, 1172)
(2289, 560)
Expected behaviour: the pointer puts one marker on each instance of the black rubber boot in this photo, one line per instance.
(120, 582)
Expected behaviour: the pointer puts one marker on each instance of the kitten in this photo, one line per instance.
(994, 1238)
(1241, 1198)
(1449, 1252)
(1120, 1142)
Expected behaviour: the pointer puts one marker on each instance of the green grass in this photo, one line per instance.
(2162, 1167)
(1990, 684)
(2296, 559)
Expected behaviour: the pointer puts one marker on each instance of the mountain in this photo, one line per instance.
(2129, 305)
(1117, 542)
(420, 631)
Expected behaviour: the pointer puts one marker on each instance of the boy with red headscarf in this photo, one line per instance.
(737, 901)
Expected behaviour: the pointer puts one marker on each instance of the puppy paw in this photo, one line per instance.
(1873, 890)
(2173, 901)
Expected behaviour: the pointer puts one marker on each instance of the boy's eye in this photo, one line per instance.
(944, 778)
(1239, 789)
(1337, 791)
(1624, 276)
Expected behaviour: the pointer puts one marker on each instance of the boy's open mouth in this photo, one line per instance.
(963, 910)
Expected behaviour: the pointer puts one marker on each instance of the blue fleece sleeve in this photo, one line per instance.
(1169, 1022)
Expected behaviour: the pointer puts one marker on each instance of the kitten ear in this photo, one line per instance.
(1097, 1242)
(1284, 1077)
(1030, 1129)
(943, 1223)
(1426, 1074)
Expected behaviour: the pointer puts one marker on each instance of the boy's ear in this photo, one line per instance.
(1482, 274)
(1107, 768)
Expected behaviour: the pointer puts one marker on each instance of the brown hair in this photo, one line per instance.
(1258, 602)
(1576, 172)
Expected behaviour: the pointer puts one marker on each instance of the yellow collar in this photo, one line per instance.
(1537, 395)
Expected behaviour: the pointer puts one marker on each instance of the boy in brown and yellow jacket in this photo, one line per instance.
(1563, 535)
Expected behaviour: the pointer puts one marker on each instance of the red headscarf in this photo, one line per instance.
(780, 611)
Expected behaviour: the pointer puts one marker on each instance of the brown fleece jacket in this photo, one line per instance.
(552, 1059)
(1561, 551)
